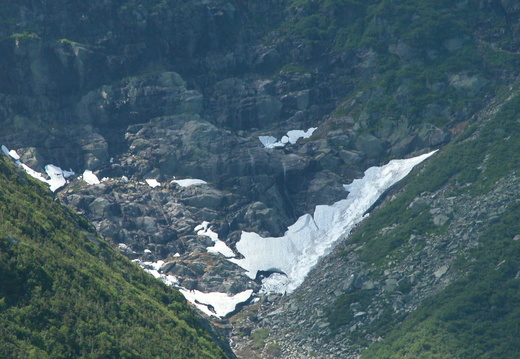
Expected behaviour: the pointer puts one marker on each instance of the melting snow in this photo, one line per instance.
(5, 151)
(14, 155)
(153, 183)
(311, 237)
(270, 142)
(215, 303)
(90, 177)
(57, 176)
(292, 137)
(154, 269)
(189, 182)
(220, 246)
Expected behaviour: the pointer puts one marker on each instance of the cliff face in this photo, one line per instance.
(158, 89)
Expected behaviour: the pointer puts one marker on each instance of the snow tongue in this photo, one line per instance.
(312, 237)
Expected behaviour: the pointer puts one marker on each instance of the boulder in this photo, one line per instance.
(370, 145)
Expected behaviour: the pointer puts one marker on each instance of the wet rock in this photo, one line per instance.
(325, 188)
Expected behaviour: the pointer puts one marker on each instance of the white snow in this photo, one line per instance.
(276, 283)
(57, 179)
(154, 269)
(124, 247)
(270, 142)
(90, 178)
(33, 173)
(153, 183)
(220, 246)
(5, 150)
(14, 155)
(292, 137)
(57, 176)
(310, 237)
(295, 135)
(221, 304)
(189, 182)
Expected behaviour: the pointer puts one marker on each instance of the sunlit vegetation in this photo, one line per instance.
(65, 293)
(478, 315)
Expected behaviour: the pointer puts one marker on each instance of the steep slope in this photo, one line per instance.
(65, 293)
(433, 273)
(195, 89)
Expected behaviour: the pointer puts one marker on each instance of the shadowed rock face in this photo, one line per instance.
(185, 88)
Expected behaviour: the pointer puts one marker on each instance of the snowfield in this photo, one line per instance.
(312, 237)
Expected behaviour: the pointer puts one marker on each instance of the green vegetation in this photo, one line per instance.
(259, 337)
(25, 35)
(65, 293)
(340, 313)
(478, 316)
(475, 164)
(417, 45)
(273, 350)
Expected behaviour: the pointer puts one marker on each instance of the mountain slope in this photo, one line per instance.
(475, 317)
(433, 272)
(65, 293)
(164, 89)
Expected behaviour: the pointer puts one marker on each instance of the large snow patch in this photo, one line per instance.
(311, 237)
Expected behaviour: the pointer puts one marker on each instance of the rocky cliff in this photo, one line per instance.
(169, 90)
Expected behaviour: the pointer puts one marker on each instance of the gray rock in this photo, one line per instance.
(440, 219)
(454, 44)
(431, 136)
(350, 157)
(391, 284)
(441, 271)
(202, 197)
(99, 206)
(325, 188)
(370, 145)
(464, 82)
(419, 204)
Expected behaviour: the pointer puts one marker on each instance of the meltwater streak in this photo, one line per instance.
(312, 237)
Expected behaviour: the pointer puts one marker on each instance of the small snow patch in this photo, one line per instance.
(14, 155)
(216, 303)
(5, 151)
(90, 178)
(189, 182)
(292, 137)
(220, 246)
(153, 183)
(57, 176)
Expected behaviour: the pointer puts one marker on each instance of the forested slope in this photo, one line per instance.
(65, 293)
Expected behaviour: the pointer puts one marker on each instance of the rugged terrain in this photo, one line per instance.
(66, 293)
(165, 90)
